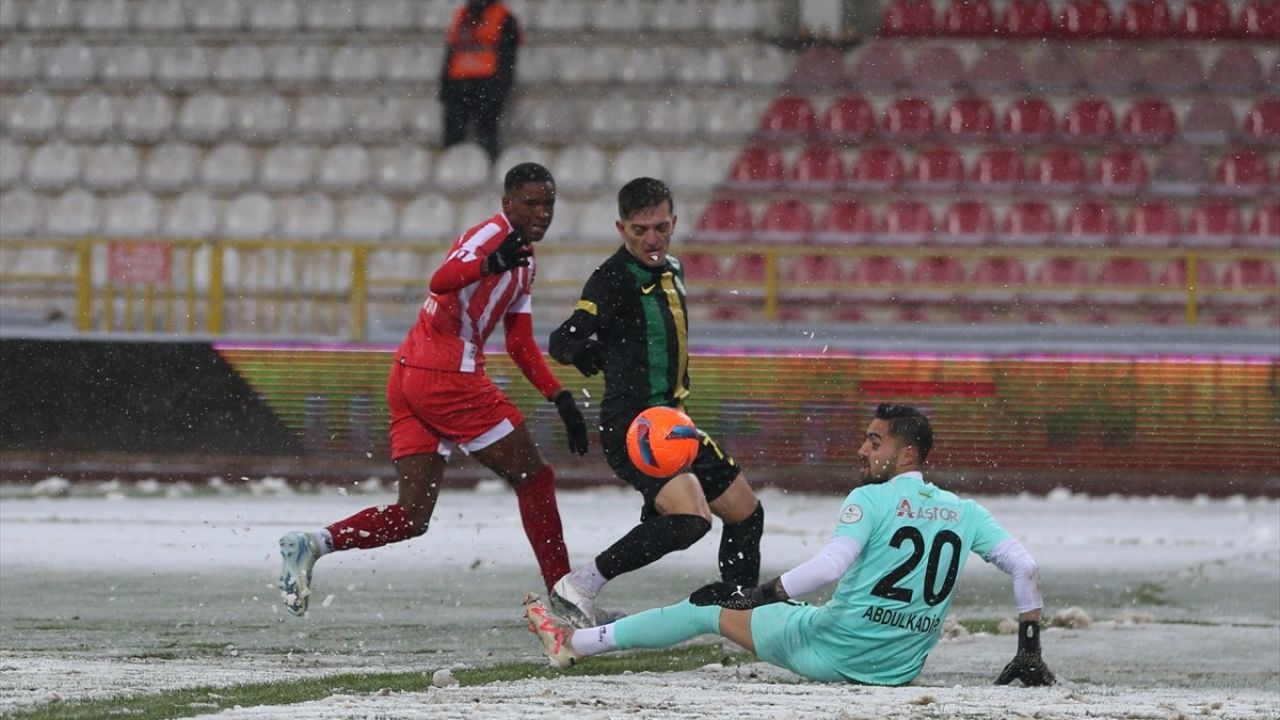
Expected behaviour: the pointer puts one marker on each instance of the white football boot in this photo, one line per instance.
(298, 554)
(551, 631)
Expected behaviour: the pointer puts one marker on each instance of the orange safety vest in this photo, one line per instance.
(475, 45)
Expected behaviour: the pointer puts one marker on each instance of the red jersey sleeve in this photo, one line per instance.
(523, 349)
(465, 262)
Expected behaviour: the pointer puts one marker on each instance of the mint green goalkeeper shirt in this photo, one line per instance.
(886, 613)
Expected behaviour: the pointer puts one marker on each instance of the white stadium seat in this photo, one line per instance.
(671, 119)
(277, 15)
(462, 168)
(30, 116)
(729, 117)
(74, 213)
(757, 64)
(437, 14)
(170, 167)
(738, 17)
(204, 117)
(110, 167)
(217, 15)
(89, 116)
(299, 64)
(227, 168)
(10, 15)
(428, 217)
(287, 168)
(160, 15)
(588, 64)
(240, 64)
(262, 118)
(50, 15)
(580, 169)
(645, 65)
(702, 66)
(182, 67)
(53, 166)
(477, 207)
(558, 15)
(425, 119)
(366, 217)
(538, 64)
(136, 214)
(344, 168)
(416, 63)
(71, 65)
(524, 152)
(548, 120)
(20, 63)
(105, 15)
(596, 223)
(401, 170)
(637, 161)
(378, 119)
(125, 65)
(20, 213)
(331, 15)
(192, 214)
(387, 14)
(611, 119)
(698, 169)
(251, 215)
(321, 118)
(680, 16)
(357, 64)
(309, 217)
(146, 117)
(618, 15)
(13, 158)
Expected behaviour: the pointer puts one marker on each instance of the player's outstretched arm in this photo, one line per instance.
(828, 566)
(1010, 556)
(1027, 665)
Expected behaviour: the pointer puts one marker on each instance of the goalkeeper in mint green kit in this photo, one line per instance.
(898, 549)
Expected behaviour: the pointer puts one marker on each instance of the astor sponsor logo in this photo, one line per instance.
(944, 514)
(923, 624)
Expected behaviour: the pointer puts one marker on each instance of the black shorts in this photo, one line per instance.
(713, 467)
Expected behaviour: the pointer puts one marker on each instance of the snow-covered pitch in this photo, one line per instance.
(1173, 606)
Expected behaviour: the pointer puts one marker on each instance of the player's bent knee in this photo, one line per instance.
(687, 530)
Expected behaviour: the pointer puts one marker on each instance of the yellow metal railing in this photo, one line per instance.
(275, 288)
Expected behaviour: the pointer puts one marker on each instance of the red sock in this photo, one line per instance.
(541, 518)
(372, 527)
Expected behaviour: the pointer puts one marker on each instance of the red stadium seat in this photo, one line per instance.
(1030, 19)
(1145, 20)
(1090, 223)
(1150, 122)
(1262, 124)
(818, 67)
(998, 170)
(846, 222)
(748, 269)
(1264, 227)
(937, 169)
(1125, 280)
(819, 167)
(1059, 280)
(909, 119)
(1236, 71)
(1114, 69)
(1242, 173)
(1250, 274)
(726, 219)
(1152, 224)
(968, 222)
(871, 276)
(908, 222)
(1210, 121)
(1181, 171)
(1204, 20)
(1028, 222)
(850, 119)
(757, 168)
(1059, 170)
(1030, 120)
(787, 220)
(1174, 71)
(908, 18)
(1089, 121)
(1172, 280)
(701, 267)
(969, 119)
(936, 69)
(1216, 224)
(879, 68)
(1056, 69)
(789, 117)
(1000, 280)
(935, 279)
(1085, 20)
(876, 169)
(1260, 20)
(806, 271)
(1119, 172)
(969, 18)
(998, 70)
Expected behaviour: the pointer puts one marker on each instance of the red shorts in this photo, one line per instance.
(436, 410)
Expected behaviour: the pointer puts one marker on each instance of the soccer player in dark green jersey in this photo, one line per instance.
(631, 324)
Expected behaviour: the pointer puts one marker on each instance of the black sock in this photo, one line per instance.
(740, 549)
(650, 540)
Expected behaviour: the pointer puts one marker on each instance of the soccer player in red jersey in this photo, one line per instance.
(441, 399)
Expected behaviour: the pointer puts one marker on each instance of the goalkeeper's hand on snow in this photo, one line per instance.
(1027, 665)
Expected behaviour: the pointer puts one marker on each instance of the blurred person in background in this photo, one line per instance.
(440, 397)
(479, 70)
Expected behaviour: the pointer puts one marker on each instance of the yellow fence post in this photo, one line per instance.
(215, 288)
(1193, 279)
(771, 285)
(84, 286)
(359, 293)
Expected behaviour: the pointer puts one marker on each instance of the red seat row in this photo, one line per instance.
(1084, 19)
(1213, 223)
(852, 118)
(821, 167)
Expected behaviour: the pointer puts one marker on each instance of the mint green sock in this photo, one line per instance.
(666, 626)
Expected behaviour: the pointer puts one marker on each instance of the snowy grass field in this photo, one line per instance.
(111, 592)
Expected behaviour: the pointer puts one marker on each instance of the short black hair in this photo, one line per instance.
(641, 194)
(526, 173)
(909, 425)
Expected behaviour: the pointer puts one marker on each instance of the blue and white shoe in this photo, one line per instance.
(298, 553)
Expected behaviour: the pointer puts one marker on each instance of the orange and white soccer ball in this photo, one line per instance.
(662, 442)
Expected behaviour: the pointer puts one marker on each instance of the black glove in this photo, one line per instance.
(1027, 665)
(514, 252)
(574, 424)
(736, 597)
(588, 356)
